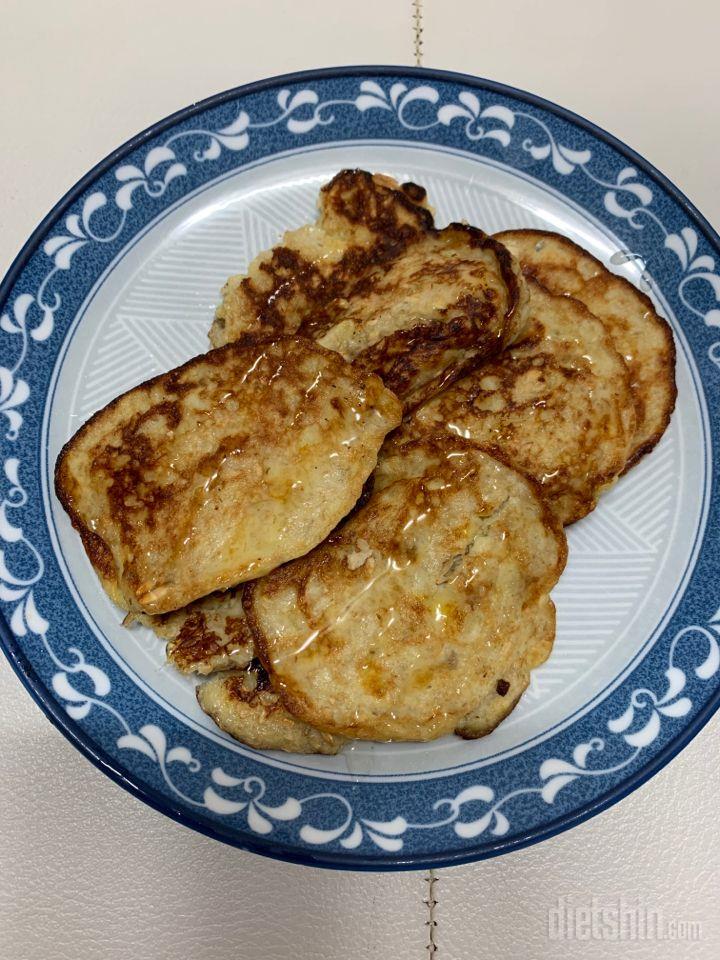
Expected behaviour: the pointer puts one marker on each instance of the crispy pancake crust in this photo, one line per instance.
(208, 635)
(641, 336)
(211, 474)
(401, 625)
(557, 406)
(255, 715)
(376, 281)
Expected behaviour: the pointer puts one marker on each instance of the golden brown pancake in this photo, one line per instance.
(557, 406)
(402, 625)
(212, 474)
(376, 281)
(640, 335)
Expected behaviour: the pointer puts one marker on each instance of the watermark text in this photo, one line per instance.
(618, 918)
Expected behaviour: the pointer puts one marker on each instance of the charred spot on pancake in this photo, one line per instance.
(416, 193)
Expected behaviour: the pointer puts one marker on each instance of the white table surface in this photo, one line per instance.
(86, 870)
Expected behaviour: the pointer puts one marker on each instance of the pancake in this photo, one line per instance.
(364, 221)
(211, 474)
(402, 625)
(639, 333)
(374, 280)
(242, 704)
(557, 406)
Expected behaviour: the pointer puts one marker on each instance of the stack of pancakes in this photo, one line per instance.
(349, 514)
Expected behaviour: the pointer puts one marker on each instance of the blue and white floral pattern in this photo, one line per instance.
(457, 817)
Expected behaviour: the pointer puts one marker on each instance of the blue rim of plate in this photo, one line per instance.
(649, 717)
